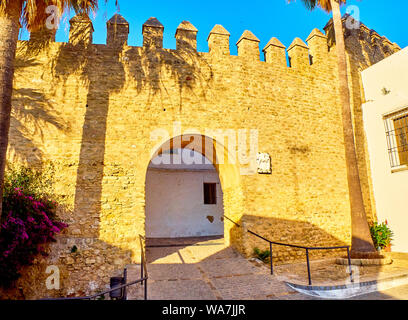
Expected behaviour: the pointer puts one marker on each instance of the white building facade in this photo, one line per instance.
(385, 115)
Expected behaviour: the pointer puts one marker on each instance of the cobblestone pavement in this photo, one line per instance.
(208, 270)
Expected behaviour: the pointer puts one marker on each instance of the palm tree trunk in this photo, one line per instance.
(9, 29)
(361, 238)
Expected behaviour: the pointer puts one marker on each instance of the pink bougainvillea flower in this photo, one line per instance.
(28, 225)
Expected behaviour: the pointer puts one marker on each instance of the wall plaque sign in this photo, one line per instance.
(263, 161)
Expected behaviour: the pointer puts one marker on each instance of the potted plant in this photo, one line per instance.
(382, 236)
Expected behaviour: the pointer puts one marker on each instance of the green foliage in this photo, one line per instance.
(381, 234)
(35, 183)
(263, 255)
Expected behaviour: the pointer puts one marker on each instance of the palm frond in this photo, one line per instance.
(34, 15)
(324, 4)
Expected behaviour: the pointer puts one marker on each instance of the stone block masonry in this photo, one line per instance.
(93, 108)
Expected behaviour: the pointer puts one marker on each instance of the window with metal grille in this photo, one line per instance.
(210, 193)
(396, 126)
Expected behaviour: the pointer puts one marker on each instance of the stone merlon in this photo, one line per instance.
(219, 29)
(274, 42)
(81, 30)
(152, 33)
(315, 33)
(299, 53)
(298, 43)
(153, 23)
(118, 31)
(275, 52)
(248, 35)
(186, 36)
(248, 46)
(218, 40)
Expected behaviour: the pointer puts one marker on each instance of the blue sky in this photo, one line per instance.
(266, 19)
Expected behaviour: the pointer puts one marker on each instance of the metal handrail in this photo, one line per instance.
(299, 247)
(143, 280)
(97, 295)
(143, 264)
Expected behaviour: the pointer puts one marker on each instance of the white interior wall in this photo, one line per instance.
(175, 201)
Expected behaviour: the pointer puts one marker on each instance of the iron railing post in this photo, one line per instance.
(145, 289)
(125, 288)
(270, 252)
(349, 262)
(141, 268)
(308, 266)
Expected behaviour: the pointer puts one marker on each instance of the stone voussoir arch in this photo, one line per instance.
(228, 171)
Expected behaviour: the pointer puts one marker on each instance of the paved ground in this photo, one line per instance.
(208, 270)
(326, 272)
(397, 293)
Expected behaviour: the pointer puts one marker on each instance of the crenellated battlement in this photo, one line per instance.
(300, 54)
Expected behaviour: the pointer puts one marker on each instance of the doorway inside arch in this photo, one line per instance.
(184, 199)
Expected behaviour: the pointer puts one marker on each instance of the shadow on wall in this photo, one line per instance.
(361, 56)
(148, 67)
(31, 113)
(298, 154)
(104, 69)
(85, 264)
(365, 48)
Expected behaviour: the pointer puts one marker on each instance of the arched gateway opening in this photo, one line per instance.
(183, 200)
(191, 183)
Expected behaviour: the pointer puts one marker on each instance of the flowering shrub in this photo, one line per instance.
(28, 222)
(381, 234)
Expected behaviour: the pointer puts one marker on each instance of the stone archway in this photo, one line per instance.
(227, 171)
(183, 200)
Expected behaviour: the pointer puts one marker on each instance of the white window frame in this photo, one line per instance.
(388, 119)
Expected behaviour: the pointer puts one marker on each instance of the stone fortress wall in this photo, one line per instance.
(89, 110)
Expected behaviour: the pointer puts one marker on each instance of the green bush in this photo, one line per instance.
(263, 255)
(35, 183)
(381, 234)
